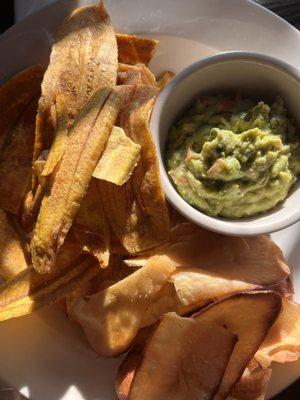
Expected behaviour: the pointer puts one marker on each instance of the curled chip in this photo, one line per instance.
(86, 141)
(135, 49)
(283, 341)
(83, 59)
(12, 259)
(118, 159)
(181, 360)
(112, 317)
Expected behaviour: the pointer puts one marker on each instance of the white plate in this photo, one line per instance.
(44, 354)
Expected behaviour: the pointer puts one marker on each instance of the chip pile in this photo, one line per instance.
(83, 218)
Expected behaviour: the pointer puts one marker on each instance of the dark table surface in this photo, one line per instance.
(287, 9)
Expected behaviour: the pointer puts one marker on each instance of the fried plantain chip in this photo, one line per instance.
(181, 360)
(61, 134)
(135, 49)
(164, 79)
(83, 59)
(118, 159)
(112, 318)
(15, 96)
(29, 290)
(137, 74)
(86, 141)
(12, 257)
(253, 384)
(137, 211)
(283, 341)
(242, 314)
(15, 160)
(30, 208)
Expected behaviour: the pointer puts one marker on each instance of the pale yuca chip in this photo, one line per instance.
(283, 341)
(250, 317)
(86, 141)
(12, 257)
(84, 58)
(164, 79)
(118, 159)
(137, 211)
(181, 360)
(135, 49)
(253, 384)
(112, 318)
(15, 159)
(29, 290)
(61, 133)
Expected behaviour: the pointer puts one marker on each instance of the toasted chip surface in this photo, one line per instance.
(85, 143)
(182, 360)
(12, 258)
(118, 159)
(135, 49)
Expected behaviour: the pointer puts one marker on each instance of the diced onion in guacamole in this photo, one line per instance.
(232, 157)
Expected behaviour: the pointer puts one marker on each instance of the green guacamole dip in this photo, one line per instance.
(232, 157)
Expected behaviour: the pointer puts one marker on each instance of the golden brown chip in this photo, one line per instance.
(12, 257)
(60, 140)
(30, 208)
(181, 360)
(164, 79)
(283, 341)
(137, 211)
(249, 316)
(118, 159)
(112, 318)
(83, 59)
(86, 141)
(15, 159)
(135, 49)
(137, 74)
(16, 94)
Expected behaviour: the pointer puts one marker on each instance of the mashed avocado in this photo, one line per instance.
(233, 157)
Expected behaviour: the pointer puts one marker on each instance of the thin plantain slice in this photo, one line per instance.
(164, 79)
(135, 49)
(12, 257)
(29, 290)
(15, 159)
(60, 140)
(137, 211)
(119, 158)
(83, 59)
(86, 141)
(137, 74)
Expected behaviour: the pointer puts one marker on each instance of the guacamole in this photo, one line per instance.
(232, 157)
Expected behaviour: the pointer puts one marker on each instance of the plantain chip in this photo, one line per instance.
(181, 360)
(137, 211)
(118, 159)
(283, 341)
(12, 257)
(164, 79)
(83, 59)
(60, 140)
(137, 74)
(135, 49)
(112, 317)
(86, 141)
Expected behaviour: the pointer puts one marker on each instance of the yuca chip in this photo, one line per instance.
(253, 384)
(283, 341)
(12, 257)
(84, 58)
(164, 79)
(135, 49)
(86, 141)
(112, 318)
(181, 360)
(29, 290)
(249, 316)
(15, 96)
(118, 159)
(60, 140)
(137, 211)
(15, 159)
